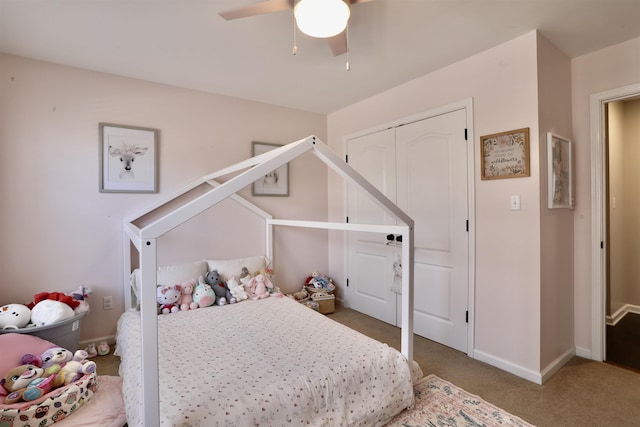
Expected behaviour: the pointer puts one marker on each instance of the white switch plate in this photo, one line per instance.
(515, 203)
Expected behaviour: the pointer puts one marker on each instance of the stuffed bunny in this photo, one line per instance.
(259, 286)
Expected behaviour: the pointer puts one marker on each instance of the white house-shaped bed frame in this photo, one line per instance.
(143, 230)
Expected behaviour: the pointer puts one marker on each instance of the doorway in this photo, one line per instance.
(622, 123)
(604, 253)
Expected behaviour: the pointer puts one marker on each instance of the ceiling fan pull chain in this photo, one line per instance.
(348, 64)
(295, 33)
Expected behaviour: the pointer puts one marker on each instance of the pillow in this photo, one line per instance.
(172, 274)
(229, 267)
(14, 346)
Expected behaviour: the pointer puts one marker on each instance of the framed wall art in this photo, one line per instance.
(559, 166)
(128, 159)
(505, 154)
(276, 182)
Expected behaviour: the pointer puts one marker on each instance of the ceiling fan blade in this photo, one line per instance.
(267, 6)
(359, 1)
(338, 44)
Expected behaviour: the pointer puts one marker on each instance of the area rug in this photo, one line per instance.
(440, 403)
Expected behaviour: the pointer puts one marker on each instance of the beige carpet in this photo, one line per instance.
(440, 403)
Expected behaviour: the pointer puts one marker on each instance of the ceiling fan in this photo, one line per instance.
(316, 18)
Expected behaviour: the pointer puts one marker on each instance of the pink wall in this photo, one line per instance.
(604, 70)
(503, 84)
(59, 232)
(556, 225)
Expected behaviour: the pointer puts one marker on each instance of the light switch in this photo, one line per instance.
(515, 203)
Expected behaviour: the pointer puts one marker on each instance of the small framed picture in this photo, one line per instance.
(505, 154)
(559, 165)
(276, 182)
(128, 159)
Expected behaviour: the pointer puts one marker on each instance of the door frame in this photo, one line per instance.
(599, 244)
(467, 106)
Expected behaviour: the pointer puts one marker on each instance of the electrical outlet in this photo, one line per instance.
(107, 303)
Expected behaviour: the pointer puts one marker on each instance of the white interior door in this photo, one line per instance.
(432, 189)
(422, 166)
(370, 266)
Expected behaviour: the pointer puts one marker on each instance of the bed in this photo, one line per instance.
(265, 362)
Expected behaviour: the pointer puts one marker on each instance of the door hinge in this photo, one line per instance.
(467, 226)
(467, 317)
(465, 134)
(347, 282)
(601, 245)
(347, 220)
(346, 158)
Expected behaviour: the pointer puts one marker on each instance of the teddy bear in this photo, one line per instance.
(259, 287)
(14, 316)
(223, 294)
(28, 382)
(186, 299)
(168, 297)
(236, 289)
(203, 295)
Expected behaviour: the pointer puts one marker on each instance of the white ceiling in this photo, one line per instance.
(185, 43)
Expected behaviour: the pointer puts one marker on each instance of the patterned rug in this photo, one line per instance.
(439, 403)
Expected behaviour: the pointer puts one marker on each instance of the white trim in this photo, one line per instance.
(584, 353)
(527, 374)
(598, 214)
(555, 366)
(621, 312)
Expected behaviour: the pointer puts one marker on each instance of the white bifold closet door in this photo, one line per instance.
(422, 166)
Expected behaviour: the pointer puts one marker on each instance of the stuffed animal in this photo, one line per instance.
(320, 281)
(103, 348)
(82, 296)
(237, 289)
(91, 350)
(29, 382)
(223, 295)
(14, 316)
(186, 299)
(72, 366)
(259, 287)
(203, 295)
(48, 311)
(168, 297)
(245, 276)
(53, 296)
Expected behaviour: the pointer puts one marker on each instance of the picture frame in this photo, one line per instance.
(505, 155)
(560, 172)
(275, 183)
(128, 159)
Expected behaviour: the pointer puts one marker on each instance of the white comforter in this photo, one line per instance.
(270, 362)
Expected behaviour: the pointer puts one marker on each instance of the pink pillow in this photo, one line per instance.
(14, 346)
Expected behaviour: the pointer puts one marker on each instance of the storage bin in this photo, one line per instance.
(65, 334)
(326, 303)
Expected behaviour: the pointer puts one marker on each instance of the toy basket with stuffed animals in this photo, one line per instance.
(318, 282)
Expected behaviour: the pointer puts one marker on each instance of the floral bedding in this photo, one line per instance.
(266, 362)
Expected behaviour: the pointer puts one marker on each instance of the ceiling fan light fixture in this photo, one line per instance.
(322, 18)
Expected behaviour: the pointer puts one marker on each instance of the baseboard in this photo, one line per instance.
(505, 365)
(111, 339)
(584, 352)
(613, 319)
(555, 366)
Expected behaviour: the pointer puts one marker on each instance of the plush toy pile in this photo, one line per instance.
(45, 309)
(37, 375)
(213, 289)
